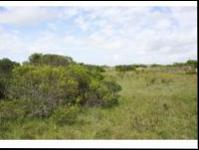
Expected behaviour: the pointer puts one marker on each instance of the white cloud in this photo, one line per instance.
(106, 35)
(23, 15)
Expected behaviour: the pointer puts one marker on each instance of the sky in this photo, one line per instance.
(100, 35)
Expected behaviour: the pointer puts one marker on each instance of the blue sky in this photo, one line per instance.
(100, 35)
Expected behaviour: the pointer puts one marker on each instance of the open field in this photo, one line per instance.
(152, 105)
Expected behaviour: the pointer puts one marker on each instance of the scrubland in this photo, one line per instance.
(86, 102)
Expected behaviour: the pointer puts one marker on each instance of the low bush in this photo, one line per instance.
(103, 94)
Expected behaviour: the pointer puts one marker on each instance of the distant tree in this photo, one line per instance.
(6, 66)
(193, 63)
(49, 59)
(35, 58)
(94, 67)
(178, 64)
(122, 68)
(140, 65)
(156, 65)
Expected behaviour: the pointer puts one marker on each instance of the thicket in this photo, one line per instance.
(45, 83)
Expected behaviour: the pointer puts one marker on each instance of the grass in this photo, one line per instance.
(152, 105)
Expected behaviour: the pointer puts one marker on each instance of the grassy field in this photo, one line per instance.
(153, 105)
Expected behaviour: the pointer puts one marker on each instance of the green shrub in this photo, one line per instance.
(46, 87)
(103, 93)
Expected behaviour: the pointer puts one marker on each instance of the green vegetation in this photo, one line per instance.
(123, 68)
(6, 67)
(49, 59)
(57, 98)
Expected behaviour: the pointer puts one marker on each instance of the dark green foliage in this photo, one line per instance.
(133, 67)
(156, 65)
(49, 59)
(6, 67)
(3, 85)
(193, 63)
(140, 65)
(188, 67)
(123, 68)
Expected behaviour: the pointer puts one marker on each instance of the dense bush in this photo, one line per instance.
(49, 59)
(47, 87)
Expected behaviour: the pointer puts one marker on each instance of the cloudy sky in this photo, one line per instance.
(100, 35)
